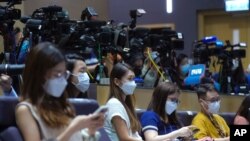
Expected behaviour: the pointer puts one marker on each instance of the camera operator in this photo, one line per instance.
(6, 86)
(232, 77)
(182, 69)
(18, 35)
(238, 76)
(149, 72)
(136, 62)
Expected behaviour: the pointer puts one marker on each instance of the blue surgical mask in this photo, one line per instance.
(185, 69)
(128, 87)
(214, 107)
(55, 86)
(83, 82)
(170, 107)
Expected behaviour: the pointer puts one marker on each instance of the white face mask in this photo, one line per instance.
(55, 86)
(214, 107)
(83, 82)
(128, 87)
(170, 107)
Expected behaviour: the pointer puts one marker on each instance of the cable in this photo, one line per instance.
(156, 66)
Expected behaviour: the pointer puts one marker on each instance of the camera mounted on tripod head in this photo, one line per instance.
(8, 12)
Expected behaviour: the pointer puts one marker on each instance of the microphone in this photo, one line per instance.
(12, 69)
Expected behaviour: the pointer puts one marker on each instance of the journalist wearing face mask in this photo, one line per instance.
(121, 123)
(182, 69)
(207, 120)
(160, 122)
(78, 81)
(44, 113)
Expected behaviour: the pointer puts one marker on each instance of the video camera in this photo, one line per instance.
(8, 12)
(47, 24)
(211, 46)
(226, 53)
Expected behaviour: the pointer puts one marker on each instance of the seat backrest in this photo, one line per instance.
(7, 111)
(8, 104)
(186, 117)
(11, 134)
(139, 113)
(228, 117)
(7, 116)
(84, 106)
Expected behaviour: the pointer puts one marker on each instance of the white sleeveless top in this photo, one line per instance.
(47, 132)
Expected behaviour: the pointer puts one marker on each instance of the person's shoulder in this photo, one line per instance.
(199, 116)
(114, 103)
(240, 120)
(22, 108)
(218, 116)
(113, 100)
(149, 113)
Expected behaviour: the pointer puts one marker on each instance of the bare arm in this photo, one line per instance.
(222, 139)
(121, 129)
(28, 125)
(152, 135)
(92, 122)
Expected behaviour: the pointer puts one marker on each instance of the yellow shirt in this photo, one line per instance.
(207, 128)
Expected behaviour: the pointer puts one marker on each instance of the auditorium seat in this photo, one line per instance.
(186, 117)
(11, 134)
(228, 116)
(7, 114)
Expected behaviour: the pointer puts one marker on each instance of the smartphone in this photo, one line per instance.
(194, 129)
(101, 109)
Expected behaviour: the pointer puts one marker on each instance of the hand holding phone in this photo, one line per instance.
(194, 129)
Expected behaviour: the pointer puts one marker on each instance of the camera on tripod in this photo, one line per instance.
(8, 12)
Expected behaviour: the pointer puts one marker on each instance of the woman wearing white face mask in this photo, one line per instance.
(160, 122)
(79, 81)
(44, 112)
(121, 122)
(207, 120)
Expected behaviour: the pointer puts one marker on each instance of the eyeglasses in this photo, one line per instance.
(174, 100)
(217, 99)
(65, 74)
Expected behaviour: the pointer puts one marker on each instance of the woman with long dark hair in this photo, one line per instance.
(121, 122)
(44, 112)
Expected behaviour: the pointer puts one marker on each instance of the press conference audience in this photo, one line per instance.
(121, 123)
(160, 122)
(209, 123)
(136, 62)
(78, 81)
(44, 113)
(242, 116)
(6, 86)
